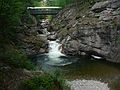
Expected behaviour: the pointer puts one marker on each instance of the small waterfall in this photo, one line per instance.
(56, 58)
(54, 51)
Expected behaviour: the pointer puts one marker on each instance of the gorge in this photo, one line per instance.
(91, 32)
(81, 43)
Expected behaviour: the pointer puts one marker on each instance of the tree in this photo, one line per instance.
(10, 15)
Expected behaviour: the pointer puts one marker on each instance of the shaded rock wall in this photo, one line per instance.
(85, 29)
(31, 39)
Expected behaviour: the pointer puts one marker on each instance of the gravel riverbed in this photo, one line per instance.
(87, 85)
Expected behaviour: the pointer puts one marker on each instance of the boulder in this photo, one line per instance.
(99, 6)
(106, 15)
(51, 37)
(114, 4)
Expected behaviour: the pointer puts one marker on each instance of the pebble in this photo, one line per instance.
(87, 85)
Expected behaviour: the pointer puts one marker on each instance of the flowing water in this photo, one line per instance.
(85, 72)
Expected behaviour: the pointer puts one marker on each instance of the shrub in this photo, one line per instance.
(38, 83)
(16, 58)
(46, 82)
(60, 81)
(1, 88)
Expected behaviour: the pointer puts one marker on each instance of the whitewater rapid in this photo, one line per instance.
(54, 50)
(55, 57)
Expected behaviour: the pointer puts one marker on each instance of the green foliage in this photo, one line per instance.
(61, 3)
(16, 58)
(58, 77)
(38, 83)
(11, 12)
(46, 82)
(9, 16)
(1, 88)
(28, 20)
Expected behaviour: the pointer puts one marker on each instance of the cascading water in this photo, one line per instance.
(55, 56)
(54, 50)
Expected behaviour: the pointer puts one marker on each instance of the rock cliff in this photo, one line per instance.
(90, 29)
(31, 38)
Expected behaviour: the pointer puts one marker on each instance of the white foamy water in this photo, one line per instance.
(54, 53)
(96, 57)
(54, 50)
(87, 85)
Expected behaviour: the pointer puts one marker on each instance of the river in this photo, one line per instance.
(81, 73)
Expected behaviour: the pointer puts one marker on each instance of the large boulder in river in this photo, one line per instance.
(94, 32)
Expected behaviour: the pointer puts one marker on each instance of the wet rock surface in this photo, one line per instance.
(91, 30)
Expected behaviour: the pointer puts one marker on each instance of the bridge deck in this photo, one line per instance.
(44, 7)
(44, 10)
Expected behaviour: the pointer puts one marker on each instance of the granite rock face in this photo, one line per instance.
(92, 30)
(32, 39)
